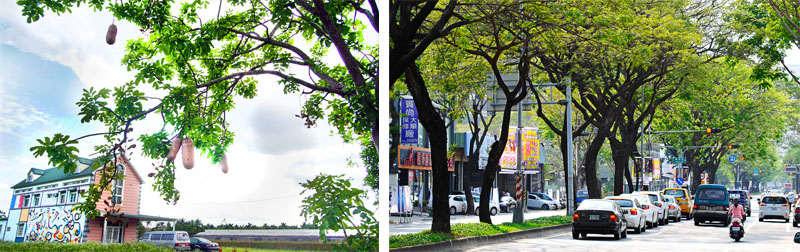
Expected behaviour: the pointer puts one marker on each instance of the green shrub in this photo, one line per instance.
(474, 229)
(396, 241)
(79, 247)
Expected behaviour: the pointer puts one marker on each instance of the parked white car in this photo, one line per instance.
(650, 209)
(658, 200)
(458, 204)
(634, 213)
(774, 207)
(494, 207)
(674, 210)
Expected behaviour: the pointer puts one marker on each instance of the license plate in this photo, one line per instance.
(773, 208)
(594, 217)
(735, 228)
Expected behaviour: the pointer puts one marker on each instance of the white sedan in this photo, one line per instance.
(650, 209)
(458, 204)
(634, 214)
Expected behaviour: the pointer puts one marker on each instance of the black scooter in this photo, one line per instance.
(736, 231)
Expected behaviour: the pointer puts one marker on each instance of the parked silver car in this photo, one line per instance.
(541, 201)
(178, 240)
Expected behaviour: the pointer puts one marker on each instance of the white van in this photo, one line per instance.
(178, 240)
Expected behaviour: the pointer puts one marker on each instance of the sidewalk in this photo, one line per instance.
(420, 223)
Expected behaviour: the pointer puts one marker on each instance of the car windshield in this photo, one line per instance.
(774, 200)
(624, 202)
(203, 240)
(711, 194)
(675, 193)
(596, 205)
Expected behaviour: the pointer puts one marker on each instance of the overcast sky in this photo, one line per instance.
(45, 65)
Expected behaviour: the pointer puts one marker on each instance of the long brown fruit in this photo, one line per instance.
(173, 151)
(187, 153)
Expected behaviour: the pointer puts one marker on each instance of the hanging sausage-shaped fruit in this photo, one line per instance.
(173, 151)
(111, 34)
(224, 164)
(187, 153)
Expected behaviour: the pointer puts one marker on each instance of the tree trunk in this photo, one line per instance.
(590, 163)
(473, 165)
(435, 127)
(620, 164)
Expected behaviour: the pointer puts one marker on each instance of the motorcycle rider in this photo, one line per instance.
(736, 211)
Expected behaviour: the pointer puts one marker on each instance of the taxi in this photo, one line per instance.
(683, 198)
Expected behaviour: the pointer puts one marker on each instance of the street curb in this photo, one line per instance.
(475, 241)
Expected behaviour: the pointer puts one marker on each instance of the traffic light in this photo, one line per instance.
(713, 130)
(733, 146)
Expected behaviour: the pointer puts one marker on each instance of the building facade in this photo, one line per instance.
(42, 206)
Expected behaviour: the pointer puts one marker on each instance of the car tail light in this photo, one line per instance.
(695, 206)
(725, 208)
(797, 210)
(575, 217)
(612, 218)
(646, 207)
(671, 207)
(735, 224)
(658, 204)
(763, 204)
(633, 211)
(787, 204)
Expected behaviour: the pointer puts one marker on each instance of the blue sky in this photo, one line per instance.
(45, 65)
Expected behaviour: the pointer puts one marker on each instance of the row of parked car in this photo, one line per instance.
(536, 200)
(635, 212)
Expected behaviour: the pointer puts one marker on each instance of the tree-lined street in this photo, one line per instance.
(770, 235)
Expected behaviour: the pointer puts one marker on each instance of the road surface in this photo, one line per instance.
(770, 235)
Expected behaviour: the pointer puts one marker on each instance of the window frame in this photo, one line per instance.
(20, 229)
(118, 190)
(72, 196)
(62, 196)
(36, 200)
(26, 200)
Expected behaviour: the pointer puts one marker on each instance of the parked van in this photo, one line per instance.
(711, 204)
(178, 240)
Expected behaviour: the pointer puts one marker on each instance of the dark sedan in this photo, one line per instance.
(203, 244)
(596, 216)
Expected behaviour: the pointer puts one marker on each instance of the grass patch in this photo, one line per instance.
(76, 247)
(230, 249)
(474, 229)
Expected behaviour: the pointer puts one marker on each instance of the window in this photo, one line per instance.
(183, 236)
(119, 184)
(155, 237)
(36, 199)
(73, 196)
(20, 229)
(62, 197)
(30, 177)
(711, 194)
(167, 237)
(113, 233)
(26, 201)
(144, 237)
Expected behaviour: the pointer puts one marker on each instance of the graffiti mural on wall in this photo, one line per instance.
(59, 224)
